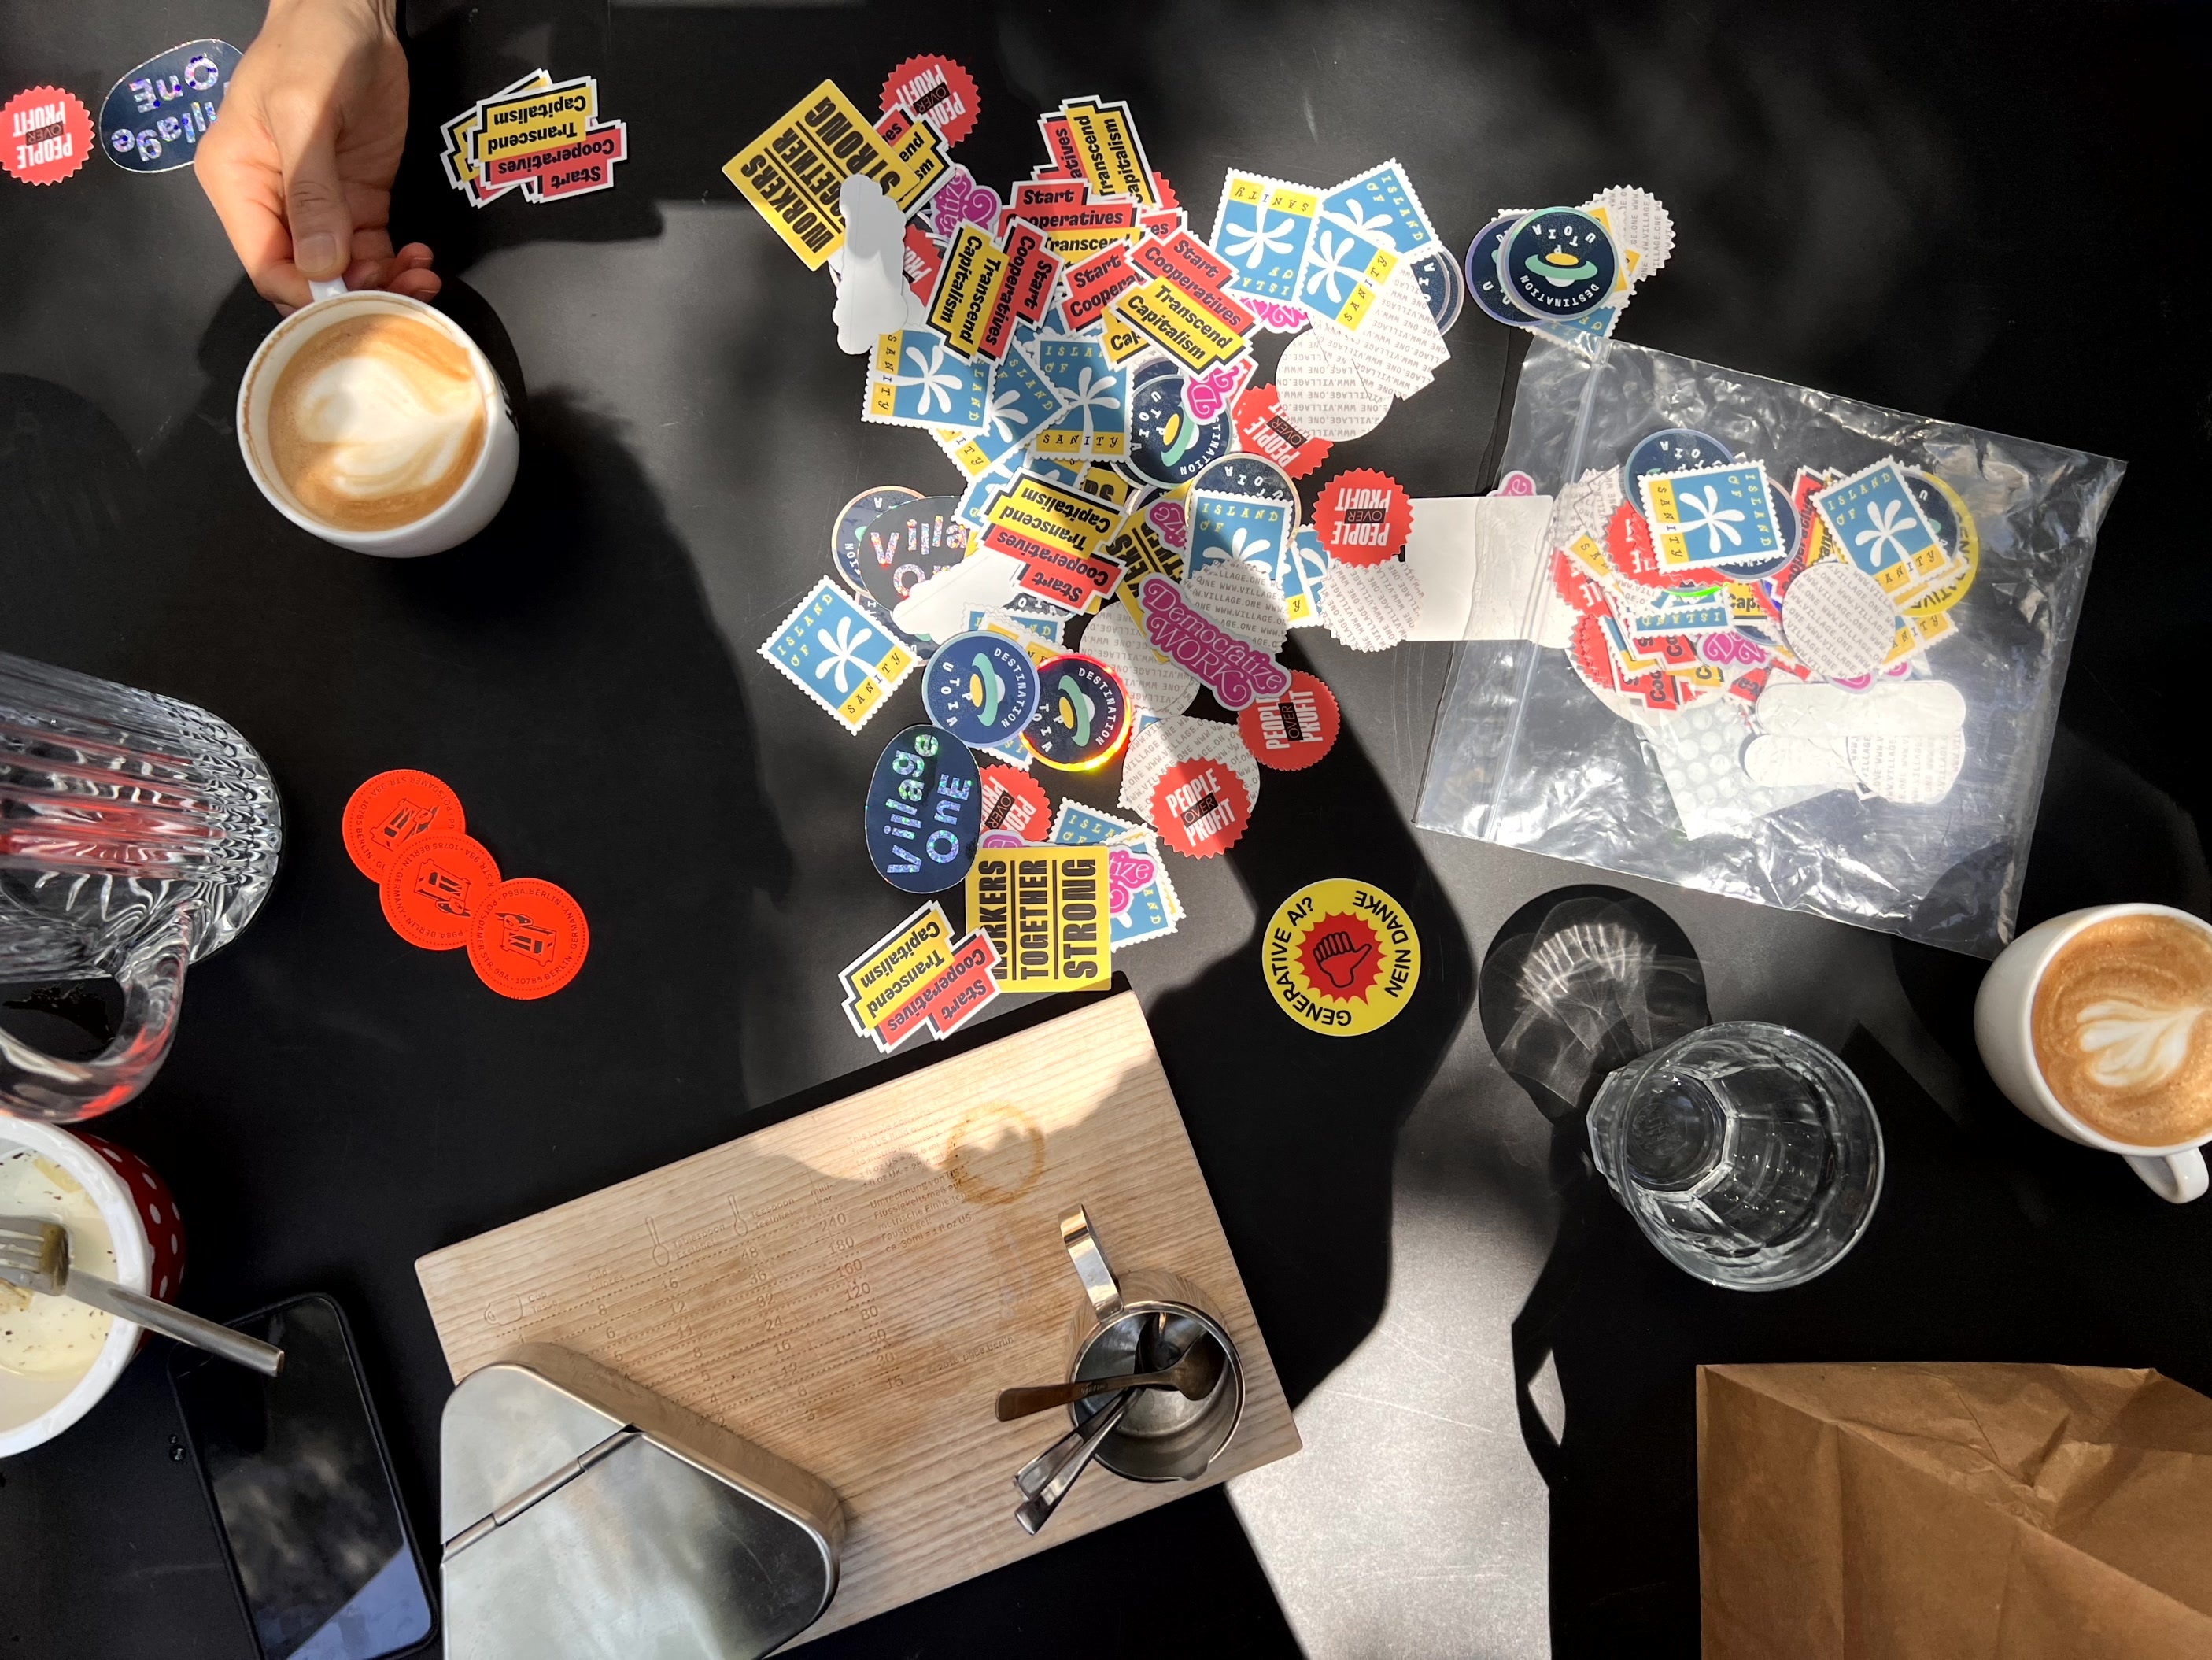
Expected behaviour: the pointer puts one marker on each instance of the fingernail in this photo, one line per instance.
(315, 253)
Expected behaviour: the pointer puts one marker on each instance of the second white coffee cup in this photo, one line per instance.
(2004, 1018)
(460, 515)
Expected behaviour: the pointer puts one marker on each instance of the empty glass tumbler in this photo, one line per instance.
(137, 834)
(1747, 1154)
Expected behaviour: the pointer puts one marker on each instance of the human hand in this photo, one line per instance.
(300, 162)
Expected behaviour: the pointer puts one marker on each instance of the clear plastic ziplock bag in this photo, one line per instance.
(1533, 751)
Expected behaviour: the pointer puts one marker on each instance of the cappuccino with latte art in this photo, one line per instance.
(2123, 1029)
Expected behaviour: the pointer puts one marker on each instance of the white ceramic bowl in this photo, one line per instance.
(34, 1410)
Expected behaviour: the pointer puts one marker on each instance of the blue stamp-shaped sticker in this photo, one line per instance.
(1022, 402)
(832, 650)
(1078, 826)
(980, 687)
(1144, 901)
(154, 117)
(914, 380)
(1670, 612)
(1342, 274)
(1094, 397)
(1261, 229)
(1558, 263)
(1303, 578)
(1249, 527)
(1719, 517)
(925, 810)
(1380, 206)
(1674, 449)
(1880, 529)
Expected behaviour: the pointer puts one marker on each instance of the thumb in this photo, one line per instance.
(315, 207)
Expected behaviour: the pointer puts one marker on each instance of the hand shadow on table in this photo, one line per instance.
(1992, 1241)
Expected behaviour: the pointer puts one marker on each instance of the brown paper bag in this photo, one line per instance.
(1953, 1512)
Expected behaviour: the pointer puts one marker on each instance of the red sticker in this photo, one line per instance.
(434, 888)
(1592, 655)
(1166, 191)
(528, 939)
(1292, 732)
(1201, 808)
(1262, 428)
(392, 811)
(1576, 585)
(1013, 800)
(45, 135)
(1363, 517)
(1628, 549)
(922, 258)
(934, 88)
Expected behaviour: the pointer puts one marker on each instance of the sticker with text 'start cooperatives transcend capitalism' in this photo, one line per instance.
(1341, 957)
(543, 137)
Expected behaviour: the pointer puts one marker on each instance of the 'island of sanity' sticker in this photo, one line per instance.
(1341, 957)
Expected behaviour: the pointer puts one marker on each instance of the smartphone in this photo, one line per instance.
(302, 1493)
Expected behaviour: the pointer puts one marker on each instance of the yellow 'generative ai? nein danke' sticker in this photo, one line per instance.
(1341, 957)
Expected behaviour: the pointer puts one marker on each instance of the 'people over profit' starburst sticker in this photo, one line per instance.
(1341, 957)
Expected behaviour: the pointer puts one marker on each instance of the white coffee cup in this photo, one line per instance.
(455, 519)
(2004, 1014)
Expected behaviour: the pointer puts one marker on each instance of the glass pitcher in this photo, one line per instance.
(137, 834)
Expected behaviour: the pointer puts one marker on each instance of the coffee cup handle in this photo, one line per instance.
(327, 290)
(2176, 1177)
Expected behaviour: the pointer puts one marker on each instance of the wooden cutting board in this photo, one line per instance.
(851, 1289)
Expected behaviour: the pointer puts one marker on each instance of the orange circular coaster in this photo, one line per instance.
(434, 888)
(392, 811)
(529, 939)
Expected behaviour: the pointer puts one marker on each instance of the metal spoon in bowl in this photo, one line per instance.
(1194, 1376)
(34, 1255)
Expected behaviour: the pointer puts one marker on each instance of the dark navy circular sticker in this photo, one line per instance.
(1253, 476)
(1787, 529)
(1151, 366)
(152, 119)
(1443, 287)
(925, 810)
(1558, 262)
(907, 543)
(1676, 449)
(1483, 281)
(1082, 715)
(1936, 508)
(980, 687)
(852, 521)
(1166, 446)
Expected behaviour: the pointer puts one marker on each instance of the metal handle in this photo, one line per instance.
(1037, 1511)
(140, 1310)
(1043, 1397)
(1089, 1258)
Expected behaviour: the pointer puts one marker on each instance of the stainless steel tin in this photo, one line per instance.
(586, 1517)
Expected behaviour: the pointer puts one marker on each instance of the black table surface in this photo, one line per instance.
(1987, 214)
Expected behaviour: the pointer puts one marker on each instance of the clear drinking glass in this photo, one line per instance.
(1747, 1154)
(137, 834)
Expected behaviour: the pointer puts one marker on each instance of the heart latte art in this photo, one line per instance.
(376, 421)
(2120, 1028)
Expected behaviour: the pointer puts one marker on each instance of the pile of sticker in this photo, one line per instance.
(545, 139)
(1129, 531)
(442, 891)
(1776, 643)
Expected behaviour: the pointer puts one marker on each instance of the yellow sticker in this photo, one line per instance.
(883, 977)
(1172, 319)
(1341, 957)
(1074, 247)
(540, 119)
(1047, 911)
(968, 290)
(1106, 146)
(1949, 584)
(1064, 518)
(792, 172)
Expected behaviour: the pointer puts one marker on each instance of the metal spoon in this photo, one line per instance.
(1034, 1513)
(34, 1255)
(1195, 1376)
